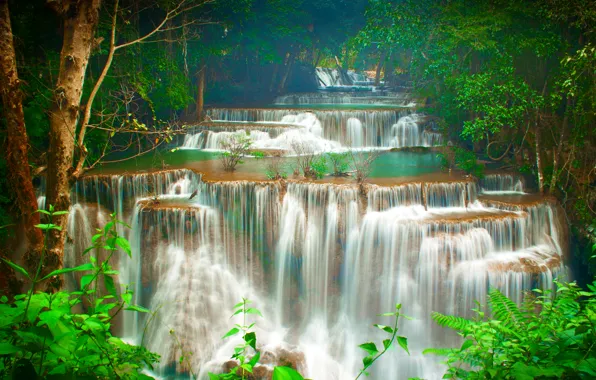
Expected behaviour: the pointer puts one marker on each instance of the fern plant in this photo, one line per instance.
(551, 335)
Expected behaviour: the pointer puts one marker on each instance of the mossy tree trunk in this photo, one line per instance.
(17, 141)
(80, 19)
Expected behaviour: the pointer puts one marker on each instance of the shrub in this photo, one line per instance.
(339, 163)
(552, 335)
(235, 147)
(41, 335)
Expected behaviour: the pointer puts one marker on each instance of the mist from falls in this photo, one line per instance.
(320, 260)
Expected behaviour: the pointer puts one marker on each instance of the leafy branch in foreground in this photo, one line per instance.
(249, 345)
(41, 335)
(371, 348)
(552, 335)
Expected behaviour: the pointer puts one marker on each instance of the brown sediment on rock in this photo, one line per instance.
(167, 204)
(520, 201)
(321, 108)
(240, 125)
(473, 216)
(527, 265)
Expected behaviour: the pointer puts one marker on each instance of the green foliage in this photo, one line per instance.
(318, 167)
(235, 147)
(371, 348)
(42, 335)
(276, 169)
(340, 162)
(551, 335)
(463, 159)
(248, 348)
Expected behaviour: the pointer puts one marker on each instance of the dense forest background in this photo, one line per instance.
(508, 81)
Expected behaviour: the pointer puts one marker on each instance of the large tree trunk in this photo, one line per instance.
(80, 22)
(201, 93)
(288, 69)
(538, 159)
(379, 67)
(17, 141)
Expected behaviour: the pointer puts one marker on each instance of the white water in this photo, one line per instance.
(319, 262)
(343, 128)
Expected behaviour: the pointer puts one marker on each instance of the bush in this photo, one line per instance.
(339, 163)
(463, 159)
(552, 335)
(41, 335)
(235, 146)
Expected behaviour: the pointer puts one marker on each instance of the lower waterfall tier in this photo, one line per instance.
(320, 260)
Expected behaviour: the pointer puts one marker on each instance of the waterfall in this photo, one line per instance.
(321, 260)
(492, 183)
(378, 98)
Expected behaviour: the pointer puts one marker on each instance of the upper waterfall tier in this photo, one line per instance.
(502, 182)
(355, 128)
(387, 98)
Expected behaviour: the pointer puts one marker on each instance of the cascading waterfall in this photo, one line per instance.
(321, 260)
(400, 99)
(378, 128)
(322, 263)
(492, 183)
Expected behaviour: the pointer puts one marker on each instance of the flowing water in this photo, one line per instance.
(320, 259)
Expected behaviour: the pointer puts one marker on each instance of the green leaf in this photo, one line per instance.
(86, 280)
(286, 373)
(109, 284)
(138, 308)
(251, 339)
(58, 213)
(17, 268)
(80, 268)
(255, 359)
(125, 245)
(403, 342)
(367, 361)
(387, 343)
(7, 349)
(252, 310)
(369, 347)
(467, 344)
(232, 332)
(49, 226)
(387, 329)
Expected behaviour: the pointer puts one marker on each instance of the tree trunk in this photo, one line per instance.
(80, 22)
(379, 67)
(538, 160)
(389, 69)
(273, 77)
(201, 93)
(288, 69)
(558, 152)
(17, 141)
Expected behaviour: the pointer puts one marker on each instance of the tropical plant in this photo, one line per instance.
(276, 169)
(371, 348)
(235, 147)
(551, 335)
(249, 347)
(339, 162)
(42, 335)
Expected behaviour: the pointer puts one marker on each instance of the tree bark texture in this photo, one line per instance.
(17, 141)
(201, 93)
(80, 18)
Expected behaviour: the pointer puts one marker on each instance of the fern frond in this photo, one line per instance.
(450, 321)
(504, 309)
